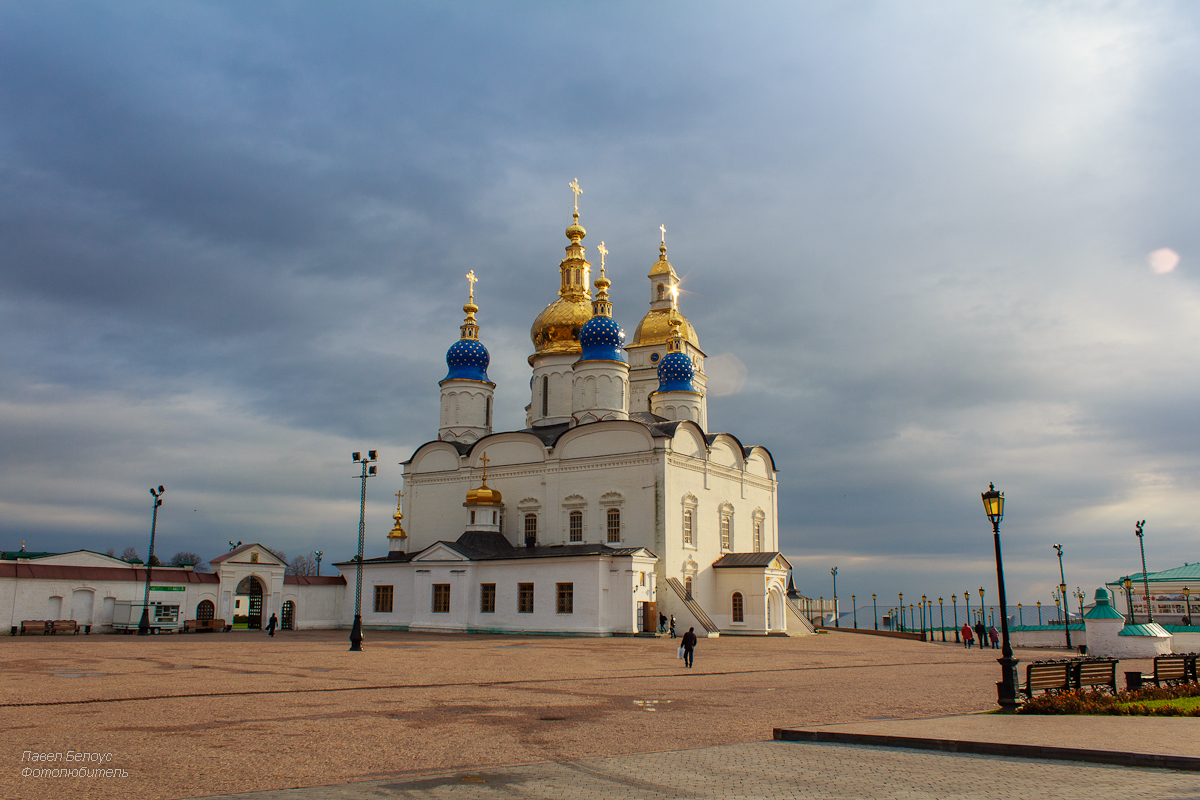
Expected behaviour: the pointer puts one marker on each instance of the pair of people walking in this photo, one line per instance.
(985, 636)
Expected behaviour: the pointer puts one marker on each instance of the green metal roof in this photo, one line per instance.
(1147, 629)
(1103, 611)
(13, 555)
(1188, 572)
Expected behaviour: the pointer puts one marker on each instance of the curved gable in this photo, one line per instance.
(435, 457)
(689, 441)
(513, 447)
(612, 437)
(726, 451)
(759, 462)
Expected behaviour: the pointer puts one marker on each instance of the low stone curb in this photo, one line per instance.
(993, 749)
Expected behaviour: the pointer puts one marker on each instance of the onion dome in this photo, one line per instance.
(397, 531)
(467, 358)
(484, 495)
(601, 338)
(556, 329)
(675, 371)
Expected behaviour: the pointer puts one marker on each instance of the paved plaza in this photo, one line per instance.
(434, 715)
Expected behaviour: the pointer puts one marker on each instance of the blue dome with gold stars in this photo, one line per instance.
(468, 360)
(602, 339)
(675, 373)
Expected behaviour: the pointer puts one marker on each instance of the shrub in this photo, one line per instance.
(1124, 704)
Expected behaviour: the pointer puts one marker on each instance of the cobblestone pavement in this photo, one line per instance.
(777, 770)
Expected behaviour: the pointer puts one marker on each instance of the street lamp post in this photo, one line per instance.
(954, 600)
(942, 617)
(1145, 578)
(1127, 582)
(901, 595)
(1187, 600)
(144, 624)
(368, 471)
(854, 603)
(1006, 687)
(318, 555)
(1062, 588)
(1020, 615)
(835, 608)
(923, 618)
(967, 599)
(982, 607)
(875, 605)
(1039, 605)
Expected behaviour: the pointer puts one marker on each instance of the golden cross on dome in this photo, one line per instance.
(484, 460)
(663, 228)
(471, 277)
(603, 252)
(575, 188)
(399, 494)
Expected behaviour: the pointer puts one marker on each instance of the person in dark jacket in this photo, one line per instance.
(271, 625)
(689, 646)
(981, 635)
(673, 636)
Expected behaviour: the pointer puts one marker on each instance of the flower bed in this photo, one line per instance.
(1134, 703)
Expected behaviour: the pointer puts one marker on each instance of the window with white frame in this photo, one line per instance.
(614, 524)
(576, 526)
(689, 520)
(739, 614)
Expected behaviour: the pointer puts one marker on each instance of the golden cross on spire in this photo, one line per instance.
(473, 280)
(575, 188)
(603, 252)
(663, 228)
(399, 494)
(484, 460)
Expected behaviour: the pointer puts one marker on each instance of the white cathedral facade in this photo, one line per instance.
(615, 503)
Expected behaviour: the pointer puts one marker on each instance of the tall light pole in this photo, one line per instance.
(1145, 577)
(1006, 687)
(317, 554)
(367, 472)
(982, 607)
(1039, 605)
(954, 600)
(1062, 589)
(967, 600)
(1127, 582)
(901, 594)
(875, 605)
(923, 618)
(854, 604)
(144, 625)
(833, 572)
(1078, 593)
(942, 617)
(1187, 599)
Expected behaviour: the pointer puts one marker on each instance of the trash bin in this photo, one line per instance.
(1083, 649)
(1133, 681)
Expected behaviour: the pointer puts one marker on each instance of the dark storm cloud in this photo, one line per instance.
(233, 242)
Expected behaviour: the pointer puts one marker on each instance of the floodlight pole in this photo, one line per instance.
(318, 555)
(1063, 591)
(144, 624)
(1145, 577)
(367, 472)
(836, 624)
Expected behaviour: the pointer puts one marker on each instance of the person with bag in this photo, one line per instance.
(688, 646)
(967, 635)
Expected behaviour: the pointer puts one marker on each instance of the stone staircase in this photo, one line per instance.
(694, 607)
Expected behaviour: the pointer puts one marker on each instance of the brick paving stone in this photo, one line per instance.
(762, 770)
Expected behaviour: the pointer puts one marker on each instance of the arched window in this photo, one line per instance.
(577, 276)
(545, 395)
(758, 536)
(206, 610)
(738, 614)
(488, 413)
(576, 526)
(687, 587)
(472, 516)
(531, 527)
(725, 520)
(688, 537)
(614, 525)
(662, 291)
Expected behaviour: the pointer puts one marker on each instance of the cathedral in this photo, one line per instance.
(612, 506)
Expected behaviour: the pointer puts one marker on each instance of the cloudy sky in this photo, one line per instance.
(947, 244)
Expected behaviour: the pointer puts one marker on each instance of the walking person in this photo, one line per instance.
(662, 622)
(994, 635)
(271, 625)
(981, 634)
(966, 632)
(689, 646)
(673, 627)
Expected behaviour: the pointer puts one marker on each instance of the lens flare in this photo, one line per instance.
(1163, 260)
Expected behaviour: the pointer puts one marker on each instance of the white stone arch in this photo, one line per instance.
(82, 602)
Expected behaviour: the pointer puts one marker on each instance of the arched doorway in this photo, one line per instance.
(775, 620)
(251, 587)
(287, 615)
(206, 610)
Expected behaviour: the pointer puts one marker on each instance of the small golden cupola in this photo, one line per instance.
(397, 538)
(484, 505)
(655, 327)
(484, 495)
(556, 329)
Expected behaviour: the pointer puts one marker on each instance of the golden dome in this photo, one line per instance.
(484, 496)
(655, 328)
(662, 266)
(556, 329)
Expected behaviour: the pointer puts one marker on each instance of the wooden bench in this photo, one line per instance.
(65, 626)
(200, 625)
(1047, 676)
(1096, 672)
(35, 626)
(1170, 670)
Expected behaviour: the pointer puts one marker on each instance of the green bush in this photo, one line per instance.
(241, 618)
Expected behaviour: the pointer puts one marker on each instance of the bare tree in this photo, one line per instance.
(111, 552)
(129, 554)
(302, 565)
(277, 553)
(188, 557)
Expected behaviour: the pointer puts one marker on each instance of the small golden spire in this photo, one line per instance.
(574, 184)
(470, 328)
(675, 338)
(601, 306)
(398, 529)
